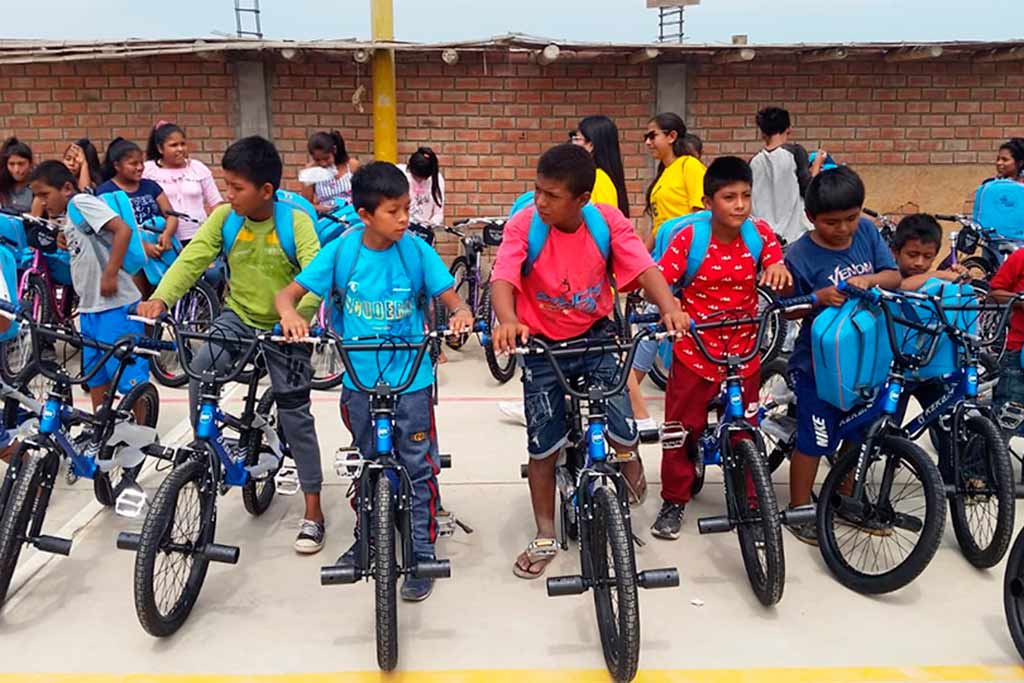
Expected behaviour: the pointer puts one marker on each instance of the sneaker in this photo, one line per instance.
(869, 526)
(648, 424)
(670, 520)
(311, 537)
(514, 410)
(416, 589)
(805, 533)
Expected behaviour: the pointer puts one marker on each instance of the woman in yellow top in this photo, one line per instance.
(599, 136)
(678, 189)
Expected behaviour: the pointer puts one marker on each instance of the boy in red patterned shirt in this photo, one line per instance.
(724, 284)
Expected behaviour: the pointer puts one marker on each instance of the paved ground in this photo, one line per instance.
(269, 615)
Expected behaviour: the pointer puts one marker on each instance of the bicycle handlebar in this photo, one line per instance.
(363, 344)
(778, 305)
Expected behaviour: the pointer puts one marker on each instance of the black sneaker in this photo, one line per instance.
(311, 537)
(805, 533)
(669, 521)
(416, 589)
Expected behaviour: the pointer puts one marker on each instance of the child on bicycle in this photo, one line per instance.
(842, 247)
(105, 292)
(258, 267)
(726, 281)
(566, 295)
(380, 300)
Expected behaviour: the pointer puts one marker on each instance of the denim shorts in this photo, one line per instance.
(1011, 380)
(547, 419)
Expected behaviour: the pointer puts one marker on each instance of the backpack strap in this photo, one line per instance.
(701, 224)
(284, 226)
(229, 232)
(349, 247)
(752, 239)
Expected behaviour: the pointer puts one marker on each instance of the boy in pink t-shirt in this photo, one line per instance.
(567, 295)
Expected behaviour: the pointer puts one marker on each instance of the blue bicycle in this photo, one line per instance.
(594, 504)
(109, 449)
(176, 543)
(383, 495)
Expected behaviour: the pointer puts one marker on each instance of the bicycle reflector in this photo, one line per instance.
(493, 233)
(967, 241)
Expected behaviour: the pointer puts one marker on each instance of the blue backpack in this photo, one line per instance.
(999, 206)
(947, 354)
(9, 268)
(348, 253)
(135, 257)
(850, 353)
(328, 229)
(701, 225)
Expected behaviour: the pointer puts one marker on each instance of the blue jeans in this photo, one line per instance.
(1011, 380)
(415, 443)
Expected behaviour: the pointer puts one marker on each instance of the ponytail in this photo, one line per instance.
(332, 143)
(424, 164)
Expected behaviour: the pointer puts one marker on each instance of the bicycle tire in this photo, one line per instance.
(202, 298)
(771, 346)
(979, 268)
(618, 623)
(938, 431)
(156, 530)
(460, 273)
(984, 450)
(501, 371)
(329, 357)
(893, 451)
(385, 574)
(1013, 593)
(257, 495)
(106, 488)
(35, 298)
(17, 513)
(767, 578)
(775, 369)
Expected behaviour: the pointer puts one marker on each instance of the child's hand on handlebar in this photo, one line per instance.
(152, 250)
(506, 336)
(830, 296)
(461, 320)
(777, 276)
(293, 326)
(676, 321)
(62, 241)
(154, 308)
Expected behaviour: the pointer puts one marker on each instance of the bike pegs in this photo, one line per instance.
(432, 569)
(650, 436)
(53, 545)
(129, 540)
(336, 575)
(715, 525)
(215, 552)
(658, 578)
(446, 461)
(524, 470)
(566, 585)
(802, 514)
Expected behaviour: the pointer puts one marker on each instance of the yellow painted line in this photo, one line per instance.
(919, 674)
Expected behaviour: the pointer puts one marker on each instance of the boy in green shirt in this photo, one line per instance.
(259, 267)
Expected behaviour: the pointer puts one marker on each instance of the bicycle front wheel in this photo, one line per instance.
(759, 529)
(884, 540)
(18, 512)
(615, 589)
(503, 368)
(1013, 593)
(142, 404)
(385, 574)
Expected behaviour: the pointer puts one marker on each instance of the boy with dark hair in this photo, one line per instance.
(726, 281)
(391, 275)
(916, 244)
(781, 175)
(565, 294)
(97, 245)
(258, 267)
(842, 247)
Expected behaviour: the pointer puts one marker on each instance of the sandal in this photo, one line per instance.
(637, 492)
(540, 551)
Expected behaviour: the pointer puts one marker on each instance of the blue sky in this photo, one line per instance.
(587, 20)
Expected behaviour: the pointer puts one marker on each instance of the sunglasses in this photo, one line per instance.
(575, 136)
(651, 134)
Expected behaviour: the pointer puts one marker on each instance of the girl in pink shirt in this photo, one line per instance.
(426, 187)
(188, 183)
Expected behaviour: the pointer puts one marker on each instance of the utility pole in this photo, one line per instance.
(385, 126)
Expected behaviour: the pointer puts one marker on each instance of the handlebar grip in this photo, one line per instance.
(314, 331)
(798, 301)
(854, 291)
(952, 218)
(645, 318)
(155, 344)
(869, 212)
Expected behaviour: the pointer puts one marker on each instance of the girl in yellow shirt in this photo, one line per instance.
(678, 189)
(599, 136)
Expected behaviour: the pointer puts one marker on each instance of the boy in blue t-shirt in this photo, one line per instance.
(842, 247)
(380, 300)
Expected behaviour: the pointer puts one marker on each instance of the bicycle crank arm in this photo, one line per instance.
(658, 578)
(715, 525)
(465, 527)
(53, 545)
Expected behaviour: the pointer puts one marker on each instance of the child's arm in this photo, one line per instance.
(657, 292)
(119, 247)
(461, 319)
(887, 279)
(509, 328)
(293, 324)
(164, 242)
(915, 282)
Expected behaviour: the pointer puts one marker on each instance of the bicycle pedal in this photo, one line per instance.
(70, 477)
(673, 435)
(348, 463)
(445, 524)
(268, 462)
(131, 502)
(286, 481)
(1011, 417)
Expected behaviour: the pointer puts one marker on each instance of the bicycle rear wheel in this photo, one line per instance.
(258, 494)
(759, 529)
(385, 574)
(503, 368)
(169, 566)
(982, 505)
(16, 353)
(18, 512)
(615, 589)
(883, 541)
(460, 272)
(775, 384)
(195, 311)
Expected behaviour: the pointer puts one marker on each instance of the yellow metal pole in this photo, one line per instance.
(385, 125)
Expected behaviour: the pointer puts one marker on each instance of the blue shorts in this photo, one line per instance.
(817, 421)
(646, 352)
(547, 423)
(108, 327)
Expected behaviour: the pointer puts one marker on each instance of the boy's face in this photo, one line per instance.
(836, 228)
(916, 257)
(54, 199)
(730, 206)
(556, 204)
(245, 197)
(390, 219)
